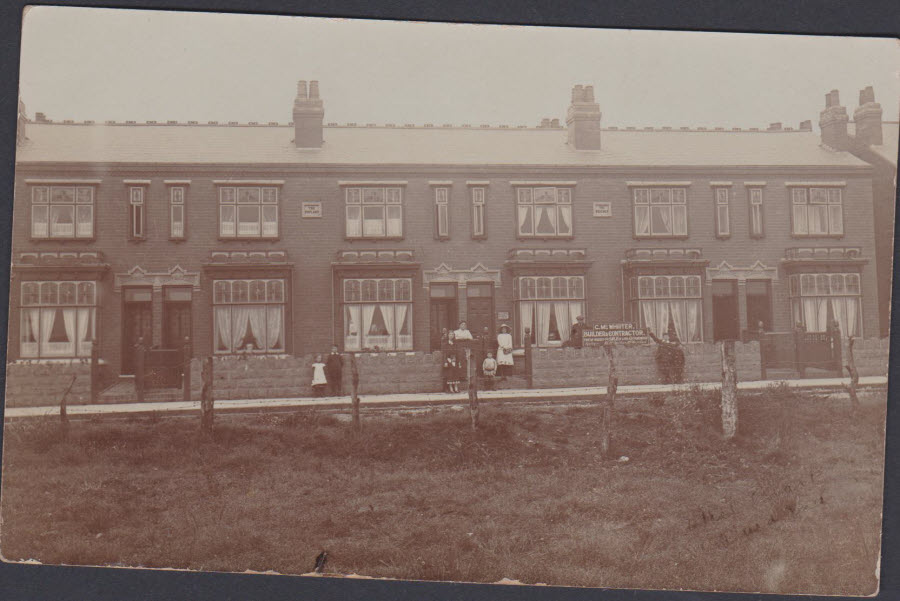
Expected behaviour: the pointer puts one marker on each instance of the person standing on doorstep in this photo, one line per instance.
(461, 338)
(334, 371)
(576, 338)
(319, 380)
(504, 350)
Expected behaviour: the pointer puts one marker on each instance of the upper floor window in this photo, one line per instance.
(374, 213)
(817, 212)
(478, 225)
(544, 212)
(62, 212)
(58, 319)
(660, 212)
(248, 212)
(176, 212)
(756, 213)
(723, 218)
(136, 215)
(442, 212)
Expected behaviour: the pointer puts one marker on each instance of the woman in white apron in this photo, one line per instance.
(504, 351)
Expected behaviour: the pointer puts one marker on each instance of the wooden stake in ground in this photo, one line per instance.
(473, 388)
(63, 415)
(729, 390)
(854, 375)
(354, 392)
(607, 412)
(206, 396)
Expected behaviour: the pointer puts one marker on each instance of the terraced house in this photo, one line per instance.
(283, 239)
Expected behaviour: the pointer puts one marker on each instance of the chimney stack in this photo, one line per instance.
(545, 122)
(583, 119)
(21, 123)
(775, 126)
(833, 123)
(806, 125)
(309, 116)
(868, 118)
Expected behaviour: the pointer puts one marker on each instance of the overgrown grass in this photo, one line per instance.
(793, 504)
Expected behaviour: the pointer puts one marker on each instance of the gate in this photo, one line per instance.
(162, 368)
(799, 351)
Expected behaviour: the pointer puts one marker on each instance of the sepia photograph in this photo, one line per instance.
(510, 305)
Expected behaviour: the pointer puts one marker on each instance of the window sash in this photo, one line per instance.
(373, 213)
(248, 212)
(137, 221)
(722, 220)
(62, 212)
(177, 221)
(660, 212)
(443, 227)
(65, 307)
(356, 338)
(817, 212)
(569, 287)
(542, 212)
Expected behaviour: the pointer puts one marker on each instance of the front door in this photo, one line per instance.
(480, 308)
(137, 323)
(443, 312)
(759, 305)
(176, 317)
(726, 322)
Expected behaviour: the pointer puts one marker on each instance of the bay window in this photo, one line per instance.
(549, 306)
(248, 212)
(62, 212)
(377, 314)
(58, 319)
(818, 299)
(248, 316)
(374, 213)
(817, 212)
(661, 301)
(660, 212)
(544, 212)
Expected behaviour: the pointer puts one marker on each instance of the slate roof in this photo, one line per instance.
(403, 145)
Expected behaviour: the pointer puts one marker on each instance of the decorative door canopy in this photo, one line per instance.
(443, 273)
(757, 271)
(176, 276)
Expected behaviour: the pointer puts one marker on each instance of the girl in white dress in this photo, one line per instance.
(319, 380)
(504, 350)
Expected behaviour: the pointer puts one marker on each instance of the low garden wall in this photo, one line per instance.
(33, 383)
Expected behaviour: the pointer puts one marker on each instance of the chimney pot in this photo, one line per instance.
(589, 93)
(775, 126)
(554, 123)
(314, 90)
(545, 122)
(868, 118)
(40, 117)
(806, 125)
(301, 90)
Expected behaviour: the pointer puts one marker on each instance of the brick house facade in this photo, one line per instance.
(286, 239)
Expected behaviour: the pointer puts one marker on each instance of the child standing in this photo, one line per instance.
(319, 380)
(489, 368)
(449, 373)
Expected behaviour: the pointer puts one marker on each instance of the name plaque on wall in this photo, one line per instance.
(311, 209)
(602, 209)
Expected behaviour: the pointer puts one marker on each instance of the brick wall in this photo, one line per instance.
(30, 384)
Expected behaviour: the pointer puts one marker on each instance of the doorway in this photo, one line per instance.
(137, 323)
(176, 317)
(480, 308)
(443, 312)
(726, 320)
(759, 305)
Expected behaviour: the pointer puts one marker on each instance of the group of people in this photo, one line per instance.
(453, 346)
(328, 374)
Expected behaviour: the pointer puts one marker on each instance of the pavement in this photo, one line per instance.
(416, 399)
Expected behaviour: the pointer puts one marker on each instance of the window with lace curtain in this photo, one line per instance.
(377, 314)
(58, 319)
(544, 212)
(817, 212)
(248, 316)
(818, 299)
(663, 301)
(660, 212)
(549, 306)
(62, 212)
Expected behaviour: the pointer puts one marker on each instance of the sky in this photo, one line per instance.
(111, 64)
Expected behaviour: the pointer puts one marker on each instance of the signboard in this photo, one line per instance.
(614, 333)
(503, 315)
(602, 209)
(312, 210)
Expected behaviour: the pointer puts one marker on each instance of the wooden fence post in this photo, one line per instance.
(528, 358)
(729, 390)
(63, 415)
(607, 412)
(762, 355)
(472, 375)
(207, 403)
(186, 371)
(95, 371)
(854, 376)
(139, 358)
(354, 392)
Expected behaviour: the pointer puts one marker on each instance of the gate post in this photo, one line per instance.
(799, 363)
(837, 349)
(528, 357)
(186, 371)
(95, 371)
(139, 359)
(762, 355)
